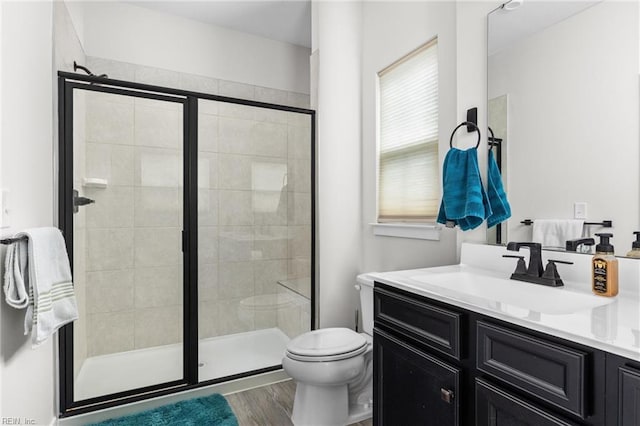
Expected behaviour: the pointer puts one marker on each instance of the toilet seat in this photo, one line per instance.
(327, 344)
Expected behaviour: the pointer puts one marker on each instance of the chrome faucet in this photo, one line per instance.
(535, 268)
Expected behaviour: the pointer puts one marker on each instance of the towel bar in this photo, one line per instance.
(604, 223)
(7, 241)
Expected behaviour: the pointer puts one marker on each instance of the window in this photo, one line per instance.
(408, 178)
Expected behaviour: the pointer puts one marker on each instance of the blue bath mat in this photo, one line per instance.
(212, 410)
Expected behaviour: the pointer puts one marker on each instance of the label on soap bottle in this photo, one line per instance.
(600, 276)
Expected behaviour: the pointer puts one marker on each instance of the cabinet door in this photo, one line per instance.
(629, 398)
(412, 387)
(496, 407)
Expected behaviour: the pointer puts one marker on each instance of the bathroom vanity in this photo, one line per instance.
(444, 356)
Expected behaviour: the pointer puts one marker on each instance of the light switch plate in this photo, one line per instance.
(579, 210)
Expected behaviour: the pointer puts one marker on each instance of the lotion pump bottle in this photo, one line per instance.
(604, 271)
(635, 246)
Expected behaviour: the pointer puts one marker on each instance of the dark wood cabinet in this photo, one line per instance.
(414, 385)
(554, 373)
(497, 407)
(629, 396)
(438, 364)
(418, 321)
(623, 383)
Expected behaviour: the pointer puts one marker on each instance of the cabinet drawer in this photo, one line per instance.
(553, 373)
(629, 396)
(427, 324)
(496, 407)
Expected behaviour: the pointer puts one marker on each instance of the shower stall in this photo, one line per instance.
(189, 219)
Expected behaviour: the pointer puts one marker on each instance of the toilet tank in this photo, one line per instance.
(365, 286)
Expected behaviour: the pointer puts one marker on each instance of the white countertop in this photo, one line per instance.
(613, 326)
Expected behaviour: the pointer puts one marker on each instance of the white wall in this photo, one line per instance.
(1, 127)
(129, 33)
(576, 118)
(354, 41)
(390, 31)
(338, 41)
(28, 376)
(471, 44)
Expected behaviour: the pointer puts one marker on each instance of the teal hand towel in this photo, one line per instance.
(464, 200)
(500, 208)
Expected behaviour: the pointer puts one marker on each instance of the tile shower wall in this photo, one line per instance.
(254, 212)
(257, 213)
(79, 237)
(134, 258)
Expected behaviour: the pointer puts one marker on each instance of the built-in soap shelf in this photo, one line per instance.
(94, 183)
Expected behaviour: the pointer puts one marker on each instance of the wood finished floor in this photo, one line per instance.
(268, 405)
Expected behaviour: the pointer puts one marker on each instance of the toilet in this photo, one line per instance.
(333, 370)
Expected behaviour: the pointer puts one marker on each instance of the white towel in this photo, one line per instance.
(15, 288)
(554, 233)
(40, 268)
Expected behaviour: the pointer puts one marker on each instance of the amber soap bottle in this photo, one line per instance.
(604, 270)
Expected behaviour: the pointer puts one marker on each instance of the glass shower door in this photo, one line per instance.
(254, 235)
(173, 292)
(127, 241)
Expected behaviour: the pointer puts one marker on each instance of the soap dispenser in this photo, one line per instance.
(635, 246)
(604, 272)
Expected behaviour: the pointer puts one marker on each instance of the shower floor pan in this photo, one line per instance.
(218, 357)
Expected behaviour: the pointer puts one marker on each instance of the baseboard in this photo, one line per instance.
(225, 388)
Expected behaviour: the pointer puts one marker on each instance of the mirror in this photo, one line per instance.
(563, 99)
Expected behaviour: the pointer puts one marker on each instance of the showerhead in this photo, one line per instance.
(76, 67)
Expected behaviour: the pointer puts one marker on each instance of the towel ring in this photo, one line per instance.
(464, 123)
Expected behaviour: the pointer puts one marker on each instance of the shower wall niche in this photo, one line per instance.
(255, 231)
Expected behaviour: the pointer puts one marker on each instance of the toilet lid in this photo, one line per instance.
(327, 342)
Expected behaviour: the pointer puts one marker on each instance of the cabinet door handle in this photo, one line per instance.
(446, 395)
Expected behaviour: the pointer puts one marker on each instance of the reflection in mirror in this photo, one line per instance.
(563, 96)
(497, 141)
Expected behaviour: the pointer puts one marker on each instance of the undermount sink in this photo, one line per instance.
(535, 297)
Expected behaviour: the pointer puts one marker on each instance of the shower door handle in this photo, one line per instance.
(80, 201)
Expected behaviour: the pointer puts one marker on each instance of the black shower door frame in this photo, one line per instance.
(67, 83)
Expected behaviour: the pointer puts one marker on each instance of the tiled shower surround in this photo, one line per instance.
(254, 213)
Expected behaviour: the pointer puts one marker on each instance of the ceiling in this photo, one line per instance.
(509, 26)
(288, 21)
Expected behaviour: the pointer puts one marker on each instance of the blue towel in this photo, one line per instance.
(501, 210)
(464, 201)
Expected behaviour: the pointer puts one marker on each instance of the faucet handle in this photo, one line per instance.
(565, 262)
(551, 272)
(521, 267)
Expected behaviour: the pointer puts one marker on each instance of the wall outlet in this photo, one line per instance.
(579, 210)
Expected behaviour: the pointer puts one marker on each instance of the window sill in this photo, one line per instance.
(422, 231)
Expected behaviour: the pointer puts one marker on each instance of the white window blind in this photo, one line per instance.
(408, 178)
